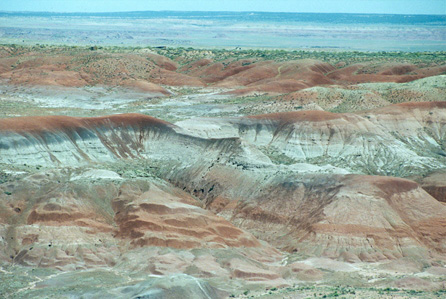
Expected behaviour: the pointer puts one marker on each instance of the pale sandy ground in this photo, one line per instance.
(209, 102)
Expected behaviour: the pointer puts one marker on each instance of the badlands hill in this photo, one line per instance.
(215, 206)
(255, 170)
(239, 72)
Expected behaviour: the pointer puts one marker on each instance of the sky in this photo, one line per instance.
(323, 6)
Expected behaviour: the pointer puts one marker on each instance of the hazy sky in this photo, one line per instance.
(346, 6)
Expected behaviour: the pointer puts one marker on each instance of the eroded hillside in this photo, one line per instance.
(176, 172)
(231, 201)
(242, 72)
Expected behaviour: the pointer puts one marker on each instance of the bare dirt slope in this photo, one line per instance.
(267, 200)
(149, 71)
(326, 183)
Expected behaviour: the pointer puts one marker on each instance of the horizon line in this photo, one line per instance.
(225, 11)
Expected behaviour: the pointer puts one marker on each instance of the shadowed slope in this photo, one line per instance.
(72, 221)
(282, 177)
(62, 139)
(399, 140)
(35, 124)
(353, 217)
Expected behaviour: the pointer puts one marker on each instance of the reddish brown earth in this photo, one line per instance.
(330, 216)
(291, 212)
(149, 72)
(69, 224)
(400, 73)
(435, 184)
(157, 218)
(235, 225)
(232, 200)
(39, 124)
